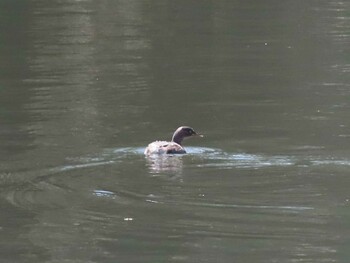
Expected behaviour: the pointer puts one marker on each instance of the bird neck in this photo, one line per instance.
(177, 137)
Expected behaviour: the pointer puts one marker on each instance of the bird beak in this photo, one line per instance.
(199, 135)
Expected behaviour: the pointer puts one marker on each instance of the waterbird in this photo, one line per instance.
(174, 146)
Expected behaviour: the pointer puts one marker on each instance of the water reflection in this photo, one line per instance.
(56, 186)
(101, 196)
(165, 163)
(202, 157)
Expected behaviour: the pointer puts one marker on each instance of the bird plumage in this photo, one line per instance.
(174, 146)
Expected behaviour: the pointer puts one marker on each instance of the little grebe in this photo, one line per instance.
(173, 147)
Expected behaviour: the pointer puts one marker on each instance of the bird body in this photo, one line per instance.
(174, 146)
(164, 147)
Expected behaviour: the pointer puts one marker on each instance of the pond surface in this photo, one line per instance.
(86, 85)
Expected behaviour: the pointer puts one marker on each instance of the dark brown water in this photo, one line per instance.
(86, 85)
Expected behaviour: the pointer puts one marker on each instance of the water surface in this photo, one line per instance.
(86, 85)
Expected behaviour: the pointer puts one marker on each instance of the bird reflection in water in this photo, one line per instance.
(165, 163)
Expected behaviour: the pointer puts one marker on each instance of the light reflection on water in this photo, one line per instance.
(202, 157)
(101, 192)
(46, 184)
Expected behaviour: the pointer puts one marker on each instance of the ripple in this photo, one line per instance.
(129, 150)
(55, 187)
(36, 196)
(79, 166)
(202, 150)
(331, 162)
(268, 207)
(243, 160)
(212, 157)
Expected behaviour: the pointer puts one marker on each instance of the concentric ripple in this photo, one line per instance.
(54, 187)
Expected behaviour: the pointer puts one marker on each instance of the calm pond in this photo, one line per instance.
(86, 85)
